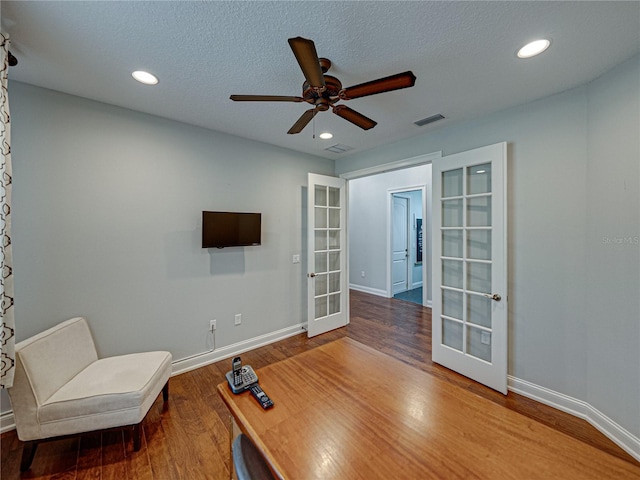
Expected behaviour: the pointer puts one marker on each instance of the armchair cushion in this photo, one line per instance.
(110, 392)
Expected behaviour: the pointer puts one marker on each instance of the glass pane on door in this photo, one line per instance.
(452, 243)
(452, 183)
(479, 244)
(452, 334)
(452, 213)
(452, 303)
(479, 310)
(479, 179)
(479, 211)
(479, 343)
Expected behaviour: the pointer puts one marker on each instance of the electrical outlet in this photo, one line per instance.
(212, 325)
(485, 338)
(296, 258)
(362, 273)
(238, 320)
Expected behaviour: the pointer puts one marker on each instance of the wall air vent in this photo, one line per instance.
(431, 119)
(339, 148)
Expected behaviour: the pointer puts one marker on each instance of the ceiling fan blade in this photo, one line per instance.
(354, 117)
(307, 57)
(386, 84)
(302, 122)
(265, 98)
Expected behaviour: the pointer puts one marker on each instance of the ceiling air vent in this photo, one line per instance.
(339, 148)
(431, 119)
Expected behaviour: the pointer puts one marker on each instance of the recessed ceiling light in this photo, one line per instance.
(145, 77)
(326, 135)
(534, 48)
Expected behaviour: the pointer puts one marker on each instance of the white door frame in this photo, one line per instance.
(390, 193)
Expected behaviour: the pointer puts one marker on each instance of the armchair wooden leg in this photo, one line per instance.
(165, 392)
(137, 436)
(28, 452)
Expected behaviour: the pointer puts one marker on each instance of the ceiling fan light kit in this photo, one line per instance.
(324, 91)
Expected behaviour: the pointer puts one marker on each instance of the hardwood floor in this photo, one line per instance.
(190, 438)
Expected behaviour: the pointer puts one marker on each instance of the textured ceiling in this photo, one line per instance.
(462, 53)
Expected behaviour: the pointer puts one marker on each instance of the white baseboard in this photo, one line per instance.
(7, 422)
(375, 291)
(581, 409)
(372, 291)
(184, 365)
(191, 363)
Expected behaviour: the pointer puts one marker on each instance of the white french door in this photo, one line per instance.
(469, 329)
(327, 286)
(400, 245)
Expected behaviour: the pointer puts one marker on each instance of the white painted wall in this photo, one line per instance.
(107, 209)
(573, 180)
(368, 211)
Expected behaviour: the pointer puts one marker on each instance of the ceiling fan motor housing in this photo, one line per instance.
(330, 93)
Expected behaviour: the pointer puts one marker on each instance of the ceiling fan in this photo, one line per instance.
(324, 91)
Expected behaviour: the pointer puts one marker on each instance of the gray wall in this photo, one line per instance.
(613, 245)
(573, 183)
(107, 209)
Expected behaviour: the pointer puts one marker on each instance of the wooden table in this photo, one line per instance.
(346, 411)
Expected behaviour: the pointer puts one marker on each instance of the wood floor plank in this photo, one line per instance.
(55, 460)
(90, 457)
(113, 457)
(10, 454)
(137, 464)
(163, 465)
(188, 438)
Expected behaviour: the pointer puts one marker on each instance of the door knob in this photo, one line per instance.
(311, 275)
(494, 296)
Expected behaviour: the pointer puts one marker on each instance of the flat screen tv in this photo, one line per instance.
(230, 229)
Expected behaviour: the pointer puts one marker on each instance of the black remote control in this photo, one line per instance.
(262, 398)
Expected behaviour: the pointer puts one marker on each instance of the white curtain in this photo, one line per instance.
(7, 338)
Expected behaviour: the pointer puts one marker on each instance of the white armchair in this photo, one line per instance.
(62, 388)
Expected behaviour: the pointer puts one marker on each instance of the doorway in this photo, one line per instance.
(369, 226)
